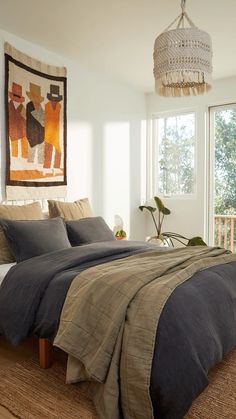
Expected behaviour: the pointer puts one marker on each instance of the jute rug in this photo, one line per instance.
(218, 401)
(29, 392)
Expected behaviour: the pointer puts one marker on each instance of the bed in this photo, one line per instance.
(142, 325)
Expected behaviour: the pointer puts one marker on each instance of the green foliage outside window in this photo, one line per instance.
(176, 139)
(225, 162)
(225, 170)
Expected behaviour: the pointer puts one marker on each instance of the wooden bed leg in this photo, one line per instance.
(45, 353)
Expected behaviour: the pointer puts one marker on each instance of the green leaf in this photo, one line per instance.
(120, 233)
(196, 241)
(159, 203)
(149, 208)
(166, 211)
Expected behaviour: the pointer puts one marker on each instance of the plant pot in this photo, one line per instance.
(158, 242)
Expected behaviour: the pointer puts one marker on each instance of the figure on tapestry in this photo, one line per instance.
(35, 124)
(52, 129)
(35, 98)
(17, 122)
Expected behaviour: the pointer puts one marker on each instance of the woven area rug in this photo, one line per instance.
(29, 392)
(218, 401)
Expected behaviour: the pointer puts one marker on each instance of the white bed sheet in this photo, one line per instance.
(4, 269)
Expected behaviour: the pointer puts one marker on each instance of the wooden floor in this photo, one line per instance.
(10, 355)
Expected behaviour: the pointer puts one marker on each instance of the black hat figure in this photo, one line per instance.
(54, 93)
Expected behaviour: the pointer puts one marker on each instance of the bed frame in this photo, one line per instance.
(43, 202)
(45, 353)
(45, 347)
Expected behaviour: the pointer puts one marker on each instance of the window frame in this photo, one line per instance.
(153, 175)
(211, 168)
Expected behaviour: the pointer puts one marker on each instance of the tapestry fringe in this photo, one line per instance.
(18, 193)
(51, 70)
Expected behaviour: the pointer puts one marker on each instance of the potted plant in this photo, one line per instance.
(120, 235)
(167, 237)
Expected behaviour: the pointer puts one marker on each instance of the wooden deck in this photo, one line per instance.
(225, 231)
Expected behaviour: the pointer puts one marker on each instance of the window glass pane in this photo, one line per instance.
(175, 146)
(225, 178)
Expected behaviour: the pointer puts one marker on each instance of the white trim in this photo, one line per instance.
(152, 176)
(211, 179)
(211, 164)
(223, 106)
(149, 192)
(206, 185)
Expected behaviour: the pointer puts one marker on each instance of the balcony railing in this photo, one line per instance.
(225, 231)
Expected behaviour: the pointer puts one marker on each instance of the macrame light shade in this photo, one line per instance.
(182, 59)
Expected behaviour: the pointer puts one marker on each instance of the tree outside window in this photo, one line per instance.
(225, 178)
(175, 150)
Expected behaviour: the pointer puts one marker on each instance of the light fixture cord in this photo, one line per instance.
(180, 19)
(183, 14)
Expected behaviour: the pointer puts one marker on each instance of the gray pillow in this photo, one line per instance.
(33, 238)
(88, 230)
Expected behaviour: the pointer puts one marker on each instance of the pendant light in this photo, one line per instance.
(182, 59)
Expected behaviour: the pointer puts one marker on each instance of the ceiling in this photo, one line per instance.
(117, 37)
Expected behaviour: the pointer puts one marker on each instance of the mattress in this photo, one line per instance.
(4, 269)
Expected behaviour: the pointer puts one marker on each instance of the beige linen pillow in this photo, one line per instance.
(70, 210)
(16, 212)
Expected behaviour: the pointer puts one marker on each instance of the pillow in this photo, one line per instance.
(16, 212)
(33, 238)
(70, 210)
(88, 230)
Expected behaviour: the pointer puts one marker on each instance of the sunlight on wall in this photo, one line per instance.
(79, 160)
(143, 162)
(116, 172)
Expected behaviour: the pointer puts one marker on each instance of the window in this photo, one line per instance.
(222, 183)
(174, 155)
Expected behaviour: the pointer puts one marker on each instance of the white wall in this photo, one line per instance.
(104, 138)
(189, 216)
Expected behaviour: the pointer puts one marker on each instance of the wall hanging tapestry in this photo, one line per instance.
(35, 102)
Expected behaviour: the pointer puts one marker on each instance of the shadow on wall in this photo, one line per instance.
(106, 162)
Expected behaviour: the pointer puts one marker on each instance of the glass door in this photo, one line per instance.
(223, 176)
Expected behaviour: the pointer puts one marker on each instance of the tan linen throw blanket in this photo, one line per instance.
(109, 321)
